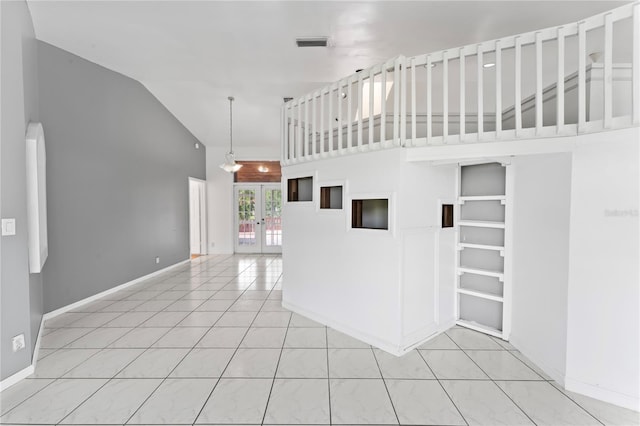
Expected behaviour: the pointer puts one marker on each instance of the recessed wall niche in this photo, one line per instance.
(370, 213)
(331, 197)
(300, 189)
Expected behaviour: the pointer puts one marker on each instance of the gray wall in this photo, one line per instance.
(20, 292)
(117, 178)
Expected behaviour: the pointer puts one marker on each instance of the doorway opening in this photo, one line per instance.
(258, 218)
(197, 218)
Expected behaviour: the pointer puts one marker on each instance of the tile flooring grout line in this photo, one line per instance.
(275, 372)
(494, 382)
(395, 413)
(441, 386)
(225, 368)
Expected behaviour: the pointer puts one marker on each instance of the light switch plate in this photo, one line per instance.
(8, 227)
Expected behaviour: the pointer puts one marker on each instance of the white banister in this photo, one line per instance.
(560, 83)
(517, 98)
(322, 122)
(463, 99)
(480, 85)
(636, 64)
(359, 128)
(403, 101)
(429, 107)
(339, 97)
(445, 97)
(582, 71)
(539, 87)
(349, 113)
(426, 123)
(608, 71)
(414, 126)
(396, 102)
(314, 128)
(383, 105)
(372, 77)
(498, 89)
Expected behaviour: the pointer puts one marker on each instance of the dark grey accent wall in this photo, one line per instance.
(20, 292)
(117, 178)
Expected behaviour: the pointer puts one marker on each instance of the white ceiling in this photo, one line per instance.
(193, 54)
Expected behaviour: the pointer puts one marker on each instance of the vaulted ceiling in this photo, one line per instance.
(193, 54)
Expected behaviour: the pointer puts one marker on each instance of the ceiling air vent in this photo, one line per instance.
(312, 41)
(287, 99)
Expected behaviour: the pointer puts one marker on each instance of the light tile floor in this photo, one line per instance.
(209, 343)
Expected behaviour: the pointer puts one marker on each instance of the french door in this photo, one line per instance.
(258, 227)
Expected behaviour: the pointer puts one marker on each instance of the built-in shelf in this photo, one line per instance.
(480, 247)
(500, 198)
(485, 272)
(480, 294)
(479, 327)
(481, 224)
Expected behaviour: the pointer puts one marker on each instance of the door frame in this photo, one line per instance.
(201, 186)
(259, 247)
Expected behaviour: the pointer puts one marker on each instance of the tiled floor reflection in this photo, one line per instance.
(209, 343)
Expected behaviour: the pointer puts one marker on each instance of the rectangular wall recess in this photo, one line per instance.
(331, 197)
(300, 189)
(447, 215)
(370, 214)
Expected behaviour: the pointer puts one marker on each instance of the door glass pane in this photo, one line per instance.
(273, 210)
(246, 217)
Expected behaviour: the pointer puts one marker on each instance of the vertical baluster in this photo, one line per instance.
(383, 105)
(283, 134)
(305, 150)
(413, 101)
(359, 139)
(403, 102)
(517, 101)
(445, 97)
(330, 118)
(498, 89)
(396, 101)
(582, 71)
(636, 64)
(429, 106)
(299, 133)
(538, 83)
(372, 77)
(560, 83)
(322, 121)
(463, 78)
(349, 113)
(340, 98)
(608, 70)
(480, 92)
(314, 124)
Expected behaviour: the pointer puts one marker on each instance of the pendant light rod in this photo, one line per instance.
(231, 99)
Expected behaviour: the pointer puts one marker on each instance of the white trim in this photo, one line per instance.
(36, 350)
(15, 378)
(95, 297)
(602, 394)
(356, 334)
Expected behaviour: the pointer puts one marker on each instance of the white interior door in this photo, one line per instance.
(197, 215)
(258, 218)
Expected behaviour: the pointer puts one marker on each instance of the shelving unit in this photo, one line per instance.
(482, 288)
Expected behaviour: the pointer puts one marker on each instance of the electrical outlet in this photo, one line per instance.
(157, 260)
(17, 342)
(213, 244)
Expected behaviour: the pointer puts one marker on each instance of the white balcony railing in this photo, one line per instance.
(576, 78)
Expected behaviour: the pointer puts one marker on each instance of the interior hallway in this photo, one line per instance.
(209, 343)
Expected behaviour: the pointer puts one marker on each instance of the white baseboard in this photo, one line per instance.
(426, 334)
(555, 374)
(606, 395)
(26, 372)
(95, 297)
(12, 380)
(356, 334)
